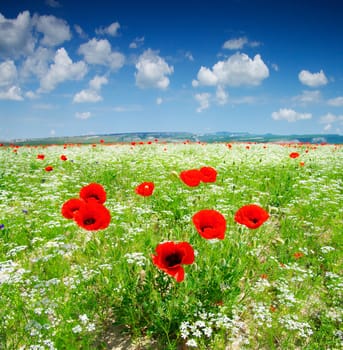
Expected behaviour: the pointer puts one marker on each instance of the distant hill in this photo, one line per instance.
(222, 136)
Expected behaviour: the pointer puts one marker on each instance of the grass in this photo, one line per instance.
(277, 287)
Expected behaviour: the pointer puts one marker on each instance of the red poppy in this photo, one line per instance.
(63, 157)
(40, 156)
(294, 155)
(208, 174)
(49, 168)
(298, 255)
(191, 177)
(302, 163)
(145, 189)
(93, 191)
(210, 224)
(171, 256)
(252, 216)
(92, 216)
(70, 207)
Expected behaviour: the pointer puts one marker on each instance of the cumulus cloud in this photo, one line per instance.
(308, 97)
(152, 71)
(83, 115)
(235, 44)
(93, 93)
(53, 3)
(331, 120)
(55, 30)
(111, 30)
(238, 69)
(204, 101)
(221, 96)
(37, 63)
(61, 70)
(12, 93)
(137, 42)
(16, 38)
(100, 52)
(336, 102)
(312, 79)
(159, 100)
(239, 43)
(290, 115)
(87, 96)
(8, 77)
(8, 73)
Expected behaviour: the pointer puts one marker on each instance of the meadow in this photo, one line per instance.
(277, 286)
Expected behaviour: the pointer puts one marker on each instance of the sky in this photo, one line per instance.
(72, 68)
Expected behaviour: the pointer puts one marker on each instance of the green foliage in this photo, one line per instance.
(276, 287)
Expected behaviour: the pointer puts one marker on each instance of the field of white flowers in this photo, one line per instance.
(278, 286)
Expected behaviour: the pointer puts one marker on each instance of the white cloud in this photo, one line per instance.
(152, 71)
(111, 30)
(189, 56)
(97, 82)
(12, 93)
(87, 96)
(312, 79)
(91, 94)
(235, 44)
(16, 37)
(159, 100)
(55, 30)
(83, 115)
(222, 96)
(136, 43)
(100, 52)
(53, 3)
(308, 97)
(336, 102)
(239, 43)
(238, 69)
(8, 73)
(204, 101)
(275, 67)
(61, 70)
(31, 95)
(80, 31)
(37, 63)
(290, 115)
(330, 118)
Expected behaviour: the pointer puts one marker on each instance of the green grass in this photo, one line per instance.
(62, 287)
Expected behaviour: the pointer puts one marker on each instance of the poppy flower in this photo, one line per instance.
(252, 216)
(145, 189)
(49, 168)
(92, 216)
(93, 191)
(63, 157)
(294, 155)
(40, 156)
(170, 257)
(208, 174)
(191, 177)
(210, 224)
(298, 255)
(70, 207)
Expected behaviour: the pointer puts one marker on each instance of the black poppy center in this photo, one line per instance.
(89, 221)
(206, 227)
(254, 220)
(173, 259)
(94, 196)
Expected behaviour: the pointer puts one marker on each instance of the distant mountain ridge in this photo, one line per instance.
(221, 136)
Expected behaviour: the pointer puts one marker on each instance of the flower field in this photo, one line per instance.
(187, 245)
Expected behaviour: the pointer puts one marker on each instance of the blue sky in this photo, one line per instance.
(93, 67)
